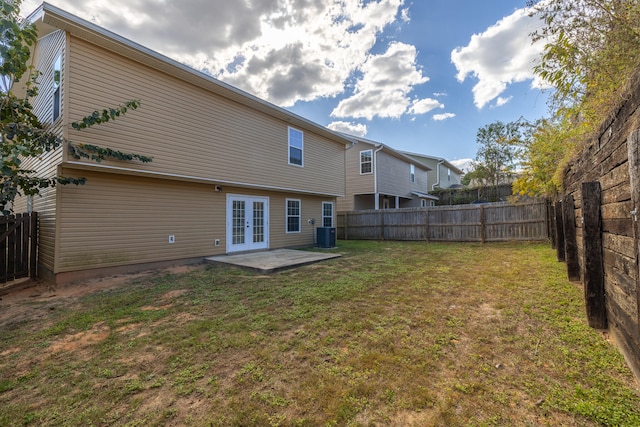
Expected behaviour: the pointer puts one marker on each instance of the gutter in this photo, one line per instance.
(433, 187)
(375, 177)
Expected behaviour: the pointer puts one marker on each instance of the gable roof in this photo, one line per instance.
(49, 18)
(437, 159)
(385, 148)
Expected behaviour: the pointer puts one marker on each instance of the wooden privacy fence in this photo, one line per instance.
(490, 222)
(18, 246)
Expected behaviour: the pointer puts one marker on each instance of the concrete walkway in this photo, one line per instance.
(272, 261)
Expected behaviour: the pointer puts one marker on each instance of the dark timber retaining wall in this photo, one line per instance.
(601, 231)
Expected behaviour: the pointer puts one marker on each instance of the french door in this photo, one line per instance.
(247, 223)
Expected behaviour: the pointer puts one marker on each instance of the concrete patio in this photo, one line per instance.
(272, 261)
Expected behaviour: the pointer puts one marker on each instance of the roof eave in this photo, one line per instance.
(48, 18)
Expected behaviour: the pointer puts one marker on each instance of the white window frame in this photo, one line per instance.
(292, 146)
(448, 174)
(412, 174)
(370, 162)
(57, 90)
(423, 203)
(324, 217)
(299, 216)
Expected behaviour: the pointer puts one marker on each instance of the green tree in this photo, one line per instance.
(496, 159)
(592, 51)
(22, 135)
(542, 158)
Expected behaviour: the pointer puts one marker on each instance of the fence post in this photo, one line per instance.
(33, 252)
(346, 226)
(559, 232)
(633, 148)
(381, 212)
(482, 225)
(11, 249)
(426, 225)
(4, 225)
(570, 243)
(593, 264)
(551, 223)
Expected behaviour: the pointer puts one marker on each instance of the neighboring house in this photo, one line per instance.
(442, 174)
(379, 177)
(230, 171)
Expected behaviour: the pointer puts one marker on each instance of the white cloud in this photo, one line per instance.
(502, 101)
(357, 129)
(444, 116)
(384, 86)
(280, 50)
(423, 106)
(462, 164)
(500, 56)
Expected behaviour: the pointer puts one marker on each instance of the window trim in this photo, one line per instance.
(287, 216)
(290, 146)
(370, 162)
(412, 173)
(423, 203)
(323, 216)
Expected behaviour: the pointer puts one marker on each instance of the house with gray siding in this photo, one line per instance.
(442, 173)
(379, 177)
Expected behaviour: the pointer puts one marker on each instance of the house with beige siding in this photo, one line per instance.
(442, 173)
(230, 172)
(379, 177)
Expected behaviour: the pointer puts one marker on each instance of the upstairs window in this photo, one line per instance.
(366, 161)
(296, 147)
(57, 80)
(448, 174)
(412, 175)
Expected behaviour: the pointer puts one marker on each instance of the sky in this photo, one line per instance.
(420, 76)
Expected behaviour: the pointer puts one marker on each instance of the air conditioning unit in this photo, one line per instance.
(326, 237)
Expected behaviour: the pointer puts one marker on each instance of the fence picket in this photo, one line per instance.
(18, 246)
(462, 223)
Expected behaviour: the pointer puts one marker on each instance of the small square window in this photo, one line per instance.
(296, 147)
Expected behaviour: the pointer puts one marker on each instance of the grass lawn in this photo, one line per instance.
(390, 334)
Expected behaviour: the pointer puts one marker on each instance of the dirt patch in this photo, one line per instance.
(34, 299)
(81, 340)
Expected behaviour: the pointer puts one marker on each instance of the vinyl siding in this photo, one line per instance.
(394, 177)
(193, 132)
(456, 178)
(116, 220)
(357, 183)
(45, 53)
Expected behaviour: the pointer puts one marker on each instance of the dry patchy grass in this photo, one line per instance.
(390, 334)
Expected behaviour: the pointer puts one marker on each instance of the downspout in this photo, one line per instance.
(433, 187)
(375, 178)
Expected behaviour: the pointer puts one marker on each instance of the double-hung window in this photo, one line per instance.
(327, 214)
(296, 147)
(293, 216)
(57, 80)
(412, 176)
(366, 161)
